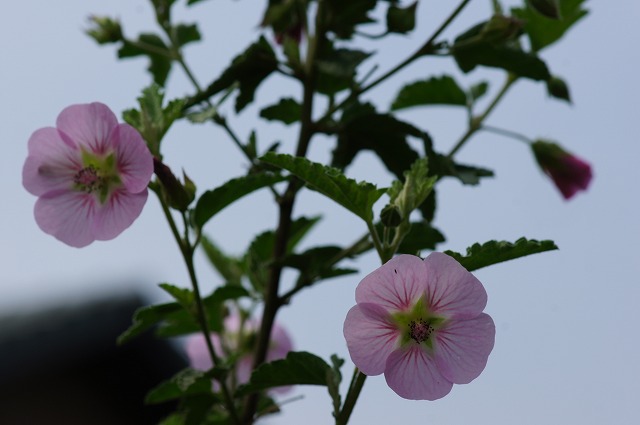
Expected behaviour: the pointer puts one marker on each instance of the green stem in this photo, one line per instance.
(506, 133)
(357, 382)
(187, 250)
(476, 122)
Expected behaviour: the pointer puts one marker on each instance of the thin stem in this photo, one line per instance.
(187, 250)
(476, 122)
(376, 239)
(506, 133)
(286, 202)
(355, 388)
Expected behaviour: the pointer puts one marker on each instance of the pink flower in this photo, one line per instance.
(238, 342)
(421, 324)
(90, 175)
(569, 173)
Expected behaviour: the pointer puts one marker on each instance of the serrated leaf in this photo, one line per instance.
(152, 46)
(185, 33)
(441, 165)
(203, 115)
(543, 31)
(184, 296)
(364, 129)
(494, 252)
(317, 264)
(213, 201)
(344, 16)
(248, 70)
(357, 197)
(507, 57)
(401, 20)
(146, 317)
(186, 382)
(334, 378)
(435, 91)
(478, 90)
(298, 368)
(288, 111)
(337, 68)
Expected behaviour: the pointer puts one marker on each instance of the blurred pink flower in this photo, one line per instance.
(237, 342)
(569, 173)
(421, 324)
(90, 175)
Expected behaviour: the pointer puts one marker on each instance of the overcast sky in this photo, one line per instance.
(566, 346)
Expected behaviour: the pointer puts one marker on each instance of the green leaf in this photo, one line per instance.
(105, 30)
(184, 296)
(334, 378)
(421, 236)
(441, 165)
(342, 16)
(298, 368)
(287, 110)
(437, 90)
(146, 317)
(544, 31)
(213, 201)
(229, 268)
(316, 264)
(411, 193)
(152, 46)
(558, 88)
(364, 129)
(203, 115)
(401, 20)
(184, 34)
(153, 120)
(478, 90)
(356, 197)
(247, 70)
(337, 68)
(507, 57)
(185, 382)
(494, 252)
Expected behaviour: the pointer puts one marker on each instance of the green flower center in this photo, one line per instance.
(99, 175)
(418, 324)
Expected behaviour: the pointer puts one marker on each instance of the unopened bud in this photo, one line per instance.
(105, 30)
(390, 216)
(558, 88)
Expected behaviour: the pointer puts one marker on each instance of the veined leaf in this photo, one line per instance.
(494, 252)
(437, 90)
(213, 201)
(357, 197)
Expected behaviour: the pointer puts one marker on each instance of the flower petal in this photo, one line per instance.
(134, 160)
(462, 348)
(118, 213)
(413, 375)
(396, 285)
(452, 291)
(370, 336)
(51, 163)
(88, 125)
(67, 215)
(280, 343)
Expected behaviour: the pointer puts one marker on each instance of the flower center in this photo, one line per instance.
(88, 180)
(420, 330)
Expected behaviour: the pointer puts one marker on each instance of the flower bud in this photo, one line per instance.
(569, 173)
(178, 195)
(390, 216)
(558, 88)
(105, 30)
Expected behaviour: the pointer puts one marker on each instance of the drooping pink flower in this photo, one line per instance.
(238, 339)
(569, 173)
(90, 174)
(421, 324)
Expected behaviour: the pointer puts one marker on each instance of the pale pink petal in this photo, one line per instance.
(51, 164)
(453, 292)
(396, 285)
(462, 348)
(413, 375)
(67, 215)
(134, 160)
(244, 367)
(280, 343)
(118, 213)
(370, 336)
(89, 125)
(197, 353)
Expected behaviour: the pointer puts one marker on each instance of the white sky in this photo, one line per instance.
(566, 345)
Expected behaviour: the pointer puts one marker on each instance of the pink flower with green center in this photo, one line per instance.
(421, 324)
(90, 175)
(238, 341)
